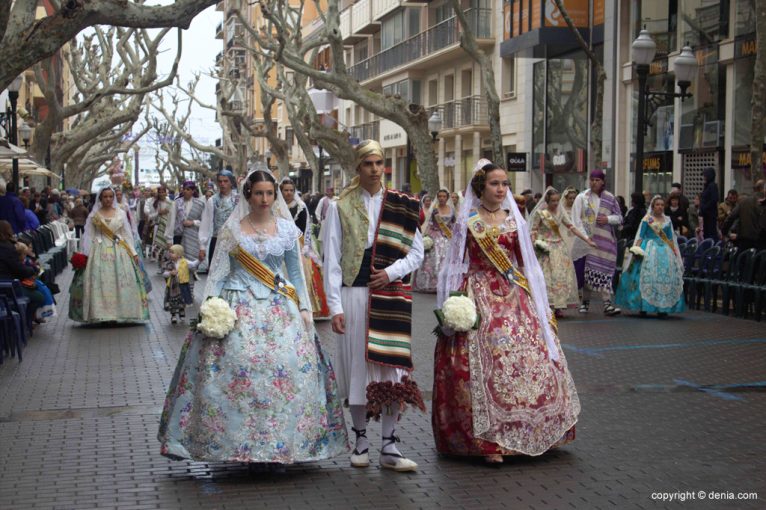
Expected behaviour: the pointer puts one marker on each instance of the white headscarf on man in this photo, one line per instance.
(455, 265)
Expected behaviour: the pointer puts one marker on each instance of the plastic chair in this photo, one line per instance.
(712, 285)
(17, 302)
(750, 291)
(688, 255)
(709, 261)
(13, 335)
(735, 277)
(702, 247)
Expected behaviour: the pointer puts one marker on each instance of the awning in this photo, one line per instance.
(8, 150)
(27, 167)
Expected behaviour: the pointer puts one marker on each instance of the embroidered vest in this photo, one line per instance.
(355, 223)
(223, 207)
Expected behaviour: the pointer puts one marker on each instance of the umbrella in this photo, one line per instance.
(73, 191)
(8, 150)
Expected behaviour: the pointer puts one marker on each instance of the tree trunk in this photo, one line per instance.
(596, 131)
(488, 85)
(758, 101)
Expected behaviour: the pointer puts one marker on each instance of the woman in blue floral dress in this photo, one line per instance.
(265, 393)
(653, 283)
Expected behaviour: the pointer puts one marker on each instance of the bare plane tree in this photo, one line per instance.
(26, 39)
(596, 129)
(280, 43)
(108, 62)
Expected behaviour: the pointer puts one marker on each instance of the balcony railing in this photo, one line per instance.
(434, 39)
(468, 111)
(219, 31)
(368, 131)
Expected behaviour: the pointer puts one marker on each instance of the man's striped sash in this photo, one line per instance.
(389, 326)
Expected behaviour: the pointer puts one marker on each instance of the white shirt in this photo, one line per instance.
(595, 201)
(206, 224)
(332, 240)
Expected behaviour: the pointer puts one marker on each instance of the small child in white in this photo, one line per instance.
(179, 283)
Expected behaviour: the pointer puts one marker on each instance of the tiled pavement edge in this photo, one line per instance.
(668, 405)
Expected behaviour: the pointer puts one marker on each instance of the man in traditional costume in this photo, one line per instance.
(189, 211)
(371, 245)
(218, 208)
(597, 213)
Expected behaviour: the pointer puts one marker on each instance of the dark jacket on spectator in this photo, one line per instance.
(750, 233)
(10, 265)
(680, 219)
(632, 222)
(12, 211)
(709, 205)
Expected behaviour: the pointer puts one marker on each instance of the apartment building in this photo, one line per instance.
(412, 49)
(712, 128)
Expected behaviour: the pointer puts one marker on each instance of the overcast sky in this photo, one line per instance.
(199, 50)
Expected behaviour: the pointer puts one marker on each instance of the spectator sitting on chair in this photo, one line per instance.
(11, 267)
(32, 221)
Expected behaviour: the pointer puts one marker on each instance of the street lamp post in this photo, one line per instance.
(13, 96)
(684, 68)
(435, 124)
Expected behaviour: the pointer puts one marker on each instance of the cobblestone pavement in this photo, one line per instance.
(669, 406)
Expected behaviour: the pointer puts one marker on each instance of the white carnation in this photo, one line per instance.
(637, 251)
(218, 319)
(459, 313)
(542, 246)
(428, 243)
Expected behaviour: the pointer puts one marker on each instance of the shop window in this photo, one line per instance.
(745, 17)
(702, 115)
(509, 78)
(660, 19)
(704, 22)
(743, 93)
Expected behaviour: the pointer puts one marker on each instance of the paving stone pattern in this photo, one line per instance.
(79, 417)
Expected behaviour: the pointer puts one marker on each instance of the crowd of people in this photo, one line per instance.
(266, 392)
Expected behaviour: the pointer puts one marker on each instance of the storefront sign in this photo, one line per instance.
(741, 159)
(746, 47)
(392, 134)
(656, 162)
(516, 161)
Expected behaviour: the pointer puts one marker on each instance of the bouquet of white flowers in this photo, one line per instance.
(458, 313)
(637, 251)
(217, 319)
(428, 243)
(542, 246)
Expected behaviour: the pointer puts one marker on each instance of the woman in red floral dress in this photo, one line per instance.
(504, 388)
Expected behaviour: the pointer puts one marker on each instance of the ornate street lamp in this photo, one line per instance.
(26, 134)
(684, 67)
(435, 124)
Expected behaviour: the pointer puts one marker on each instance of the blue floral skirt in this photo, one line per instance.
(264, 393)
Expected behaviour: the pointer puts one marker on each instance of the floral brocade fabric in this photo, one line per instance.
(265, 392)
(428, 274)
(495, 390)
(557, 265)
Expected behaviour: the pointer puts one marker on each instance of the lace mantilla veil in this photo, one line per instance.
(230, 235)
(86, 240)
(455, 264)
